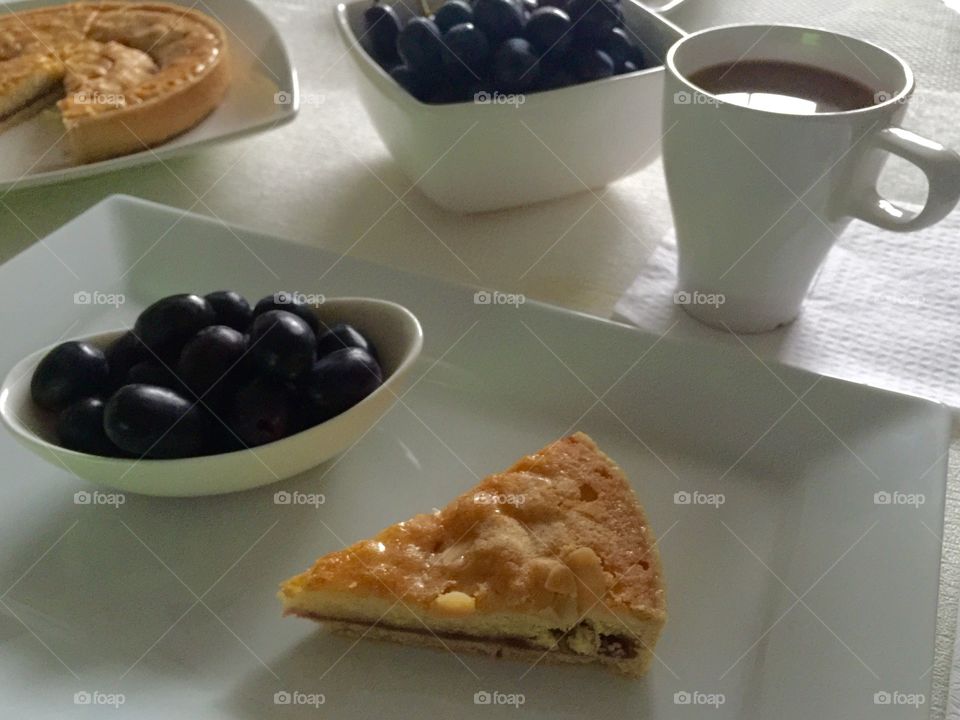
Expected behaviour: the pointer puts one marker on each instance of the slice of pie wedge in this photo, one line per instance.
(28, 85)
(552, 560)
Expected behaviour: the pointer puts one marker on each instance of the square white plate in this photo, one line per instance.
(802, 595)
(263, 94)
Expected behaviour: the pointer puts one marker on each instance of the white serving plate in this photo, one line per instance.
(478, 156)
(392, 329)
(263, 94)
(172, 602)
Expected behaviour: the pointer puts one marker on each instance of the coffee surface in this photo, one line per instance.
(784, 87)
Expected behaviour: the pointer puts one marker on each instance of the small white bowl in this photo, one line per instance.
(393, 329)
(473, 156)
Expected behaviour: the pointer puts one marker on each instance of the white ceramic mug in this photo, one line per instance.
(759, 197)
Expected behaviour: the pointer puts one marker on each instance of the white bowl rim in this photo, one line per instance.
(17, 427)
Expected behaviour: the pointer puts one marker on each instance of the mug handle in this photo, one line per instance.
(942, 168)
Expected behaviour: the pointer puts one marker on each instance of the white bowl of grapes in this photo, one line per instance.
(489, 104)
(208, 394)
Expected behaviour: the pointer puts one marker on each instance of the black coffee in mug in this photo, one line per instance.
(784, 87)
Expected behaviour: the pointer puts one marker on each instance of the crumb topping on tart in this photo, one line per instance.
(559, 532)
(103, 75)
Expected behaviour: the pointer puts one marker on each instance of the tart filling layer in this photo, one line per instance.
(580, 640)
(31, 107)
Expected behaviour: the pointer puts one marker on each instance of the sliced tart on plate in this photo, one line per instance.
(551, 560)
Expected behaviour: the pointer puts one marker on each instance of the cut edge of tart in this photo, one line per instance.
(28, 85)
(551, 560)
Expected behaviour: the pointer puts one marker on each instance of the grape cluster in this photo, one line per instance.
(205, 375)
(501, 46)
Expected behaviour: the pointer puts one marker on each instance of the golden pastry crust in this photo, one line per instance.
(134, 74)
(44, 30)
(556, 544)
(561, 522)
(26, 79)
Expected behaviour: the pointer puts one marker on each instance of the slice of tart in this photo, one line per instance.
(28, 84)
(551, 560)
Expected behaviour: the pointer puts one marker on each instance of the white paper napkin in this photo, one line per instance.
(884, 310)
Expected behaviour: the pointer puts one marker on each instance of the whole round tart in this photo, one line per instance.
(125, 76)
